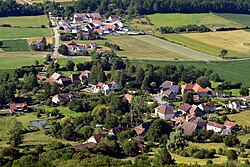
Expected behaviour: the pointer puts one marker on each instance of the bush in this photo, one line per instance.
(231, 141)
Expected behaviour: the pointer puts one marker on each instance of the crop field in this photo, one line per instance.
(8, 33)
(239, 18)
(135, 48)
(234, 71)
(15, 45)
(209, 19)
(238, 41)
(206, 45)
(23, 21)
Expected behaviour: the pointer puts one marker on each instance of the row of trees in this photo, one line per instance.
(186, 28)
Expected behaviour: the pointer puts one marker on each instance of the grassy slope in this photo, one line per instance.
(15, 45)
(64, 110)
(137, 49)
(241, 118)
(25, 20)
(176, 19)
(7, 33)
(200, 45)
(232, 71)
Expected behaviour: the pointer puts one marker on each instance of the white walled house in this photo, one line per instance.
(215, 127)
(106, 87)
(165, 111)
(95, 138)
(237, 105)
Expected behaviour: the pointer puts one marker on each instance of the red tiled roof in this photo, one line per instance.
(230, 124)
(188, 86)
(197, 88)
(85, 145)
(128, 97)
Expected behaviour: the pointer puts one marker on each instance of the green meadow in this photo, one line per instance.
(15, 45)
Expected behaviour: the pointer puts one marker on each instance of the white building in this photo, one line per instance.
(215, 127)
(165, 111)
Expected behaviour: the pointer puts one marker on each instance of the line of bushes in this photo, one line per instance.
(196, 153)
(184, 28)
(112, 46)
(9, 25)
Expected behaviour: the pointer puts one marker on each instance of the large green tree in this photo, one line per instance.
(203, 81)
(14, 135)
(158, 129)
(163, 157)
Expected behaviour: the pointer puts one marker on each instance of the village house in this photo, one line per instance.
(128, 97)
(169, 85)
(215, 127)
(114, 18)
(169, 95)
(18, 107)
(95, 138)
(84, 77)
(177, 121)
(246, 99)
(105, 88)
(195, 110)
(54, 78)
(64, 97)
(165, 111)
(142, 129)
(73, 47)
(196, 88)
(114, 131)
(184, 108)
(75, 79)
(201, 123)
(189, 128)
(237, 105)
(232, 126)
(207, 107)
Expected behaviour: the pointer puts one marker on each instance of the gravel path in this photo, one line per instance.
(193, 54)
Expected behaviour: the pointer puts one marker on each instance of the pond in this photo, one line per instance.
(38, 123)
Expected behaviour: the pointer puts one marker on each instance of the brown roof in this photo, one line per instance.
(195, 110)
(230, 124)
(85, 145)
(75, 79)
(97, 137)
(189, 127)
(166, 84)
(185, 107)
(214, 124)
(142, 128)
(168, 92)
(188, 86)
(85, 74)
(128, 97)
(15, 106)
(165, 109)
(199, 121)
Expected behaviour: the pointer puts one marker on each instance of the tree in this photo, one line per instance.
(1, 44)
(85, 132)
(97, 74)
(14, 132)
(36, 63)
(158, 129)
(99, 113)
(70, 65)
(244, 91)
(55, 113)
(130, 148)
(48, 57)
(223, 53)
(111, 122)
(231, 141)
(232, 155)
(176, 141)
(27, 160)
(203, 81)
(163, 157)
(188, 97)
(63, 49)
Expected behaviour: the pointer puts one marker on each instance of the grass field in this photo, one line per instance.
(231, 71)
(35, 21)
(8, 33)
(15, 45)
(202, 46)
(134, 48)
(209, 19)
(239, 18)
(241, 118)
(231, 40)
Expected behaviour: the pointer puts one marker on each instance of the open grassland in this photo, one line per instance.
(235, 71)
(238, 41)
(8, 33)
(208, 19)
(202, 46)
(134, 48)
(35, 21)
(18, 61)
(15, 45)
(241, 118)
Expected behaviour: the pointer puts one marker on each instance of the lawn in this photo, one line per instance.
(232, 71)
(8, 33)
(241, 118)
(15, 45)
(23, 21)
(208, 19)
(14, 62)
(134, 48)
(63, 110)
(63, 61)
(202, 46)
(237, 41)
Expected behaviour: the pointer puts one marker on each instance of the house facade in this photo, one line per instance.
(215, 127)
(165, 111)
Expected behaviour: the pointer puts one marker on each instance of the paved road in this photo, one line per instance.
(56, 36)
(193, 54)
(158, 98)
